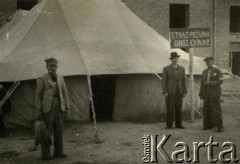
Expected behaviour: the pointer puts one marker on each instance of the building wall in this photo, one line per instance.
(7, 8)
(156, 14)
(223, 35)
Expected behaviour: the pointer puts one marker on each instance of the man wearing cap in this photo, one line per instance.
(174, 89)
(51, 101)
(210, 93)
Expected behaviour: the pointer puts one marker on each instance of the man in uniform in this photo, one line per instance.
(174, 89)
(210, 93)
(51, 101)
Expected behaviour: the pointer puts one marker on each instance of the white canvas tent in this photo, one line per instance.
(88, 37)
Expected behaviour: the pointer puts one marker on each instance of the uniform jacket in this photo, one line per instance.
(45, 93)
(215, 82)
(171, 80)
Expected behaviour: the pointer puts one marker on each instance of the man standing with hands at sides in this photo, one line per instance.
(210, 93)
(174, 89)
(51, 101)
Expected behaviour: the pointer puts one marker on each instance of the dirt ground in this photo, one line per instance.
(121, 142)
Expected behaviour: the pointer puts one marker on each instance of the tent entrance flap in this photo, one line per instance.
(103, 88)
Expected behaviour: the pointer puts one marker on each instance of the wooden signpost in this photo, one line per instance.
(190, 38)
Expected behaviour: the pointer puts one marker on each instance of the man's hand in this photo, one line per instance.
(166, 94)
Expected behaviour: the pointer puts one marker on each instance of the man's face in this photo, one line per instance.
(175, 60)
(209, 63)
(52, 68)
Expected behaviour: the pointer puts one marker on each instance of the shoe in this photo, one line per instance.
(60, 155)
(180, 127)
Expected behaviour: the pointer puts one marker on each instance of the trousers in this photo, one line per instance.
(174, 104)
(212, 112)
(54, 123)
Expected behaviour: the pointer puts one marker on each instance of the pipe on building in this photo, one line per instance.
(214, 30)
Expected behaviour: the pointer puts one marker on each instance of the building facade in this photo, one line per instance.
(221, 16)
(7, 9)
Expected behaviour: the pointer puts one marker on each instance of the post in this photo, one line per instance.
(214, 29)
(191, 83)
(96, 137)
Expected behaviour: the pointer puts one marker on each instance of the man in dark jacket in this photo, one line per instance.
(174, 89)
(5, 109)
(210, 93)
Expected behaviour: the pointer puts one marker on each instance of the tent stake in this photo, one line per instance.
(96, 137)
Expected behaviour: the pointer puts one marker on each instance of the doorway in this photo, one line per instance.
(236, 63)
(103, 88)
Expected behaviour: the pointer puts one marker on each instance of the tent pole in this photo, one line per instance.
(191, 82)
(93, 109)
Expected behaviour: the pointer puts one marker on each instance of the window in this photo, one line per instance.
(234, 58)
(179, 15)
(235, 19)
(236, 63)
(26, 4)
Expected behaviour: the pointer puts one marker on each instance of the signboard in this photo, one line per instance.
(190, 37)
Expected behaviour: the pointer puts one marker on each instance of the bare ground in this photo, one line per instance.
(122, 142)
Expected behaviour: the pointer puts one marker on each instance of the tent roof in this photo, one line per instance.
(87, 37)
